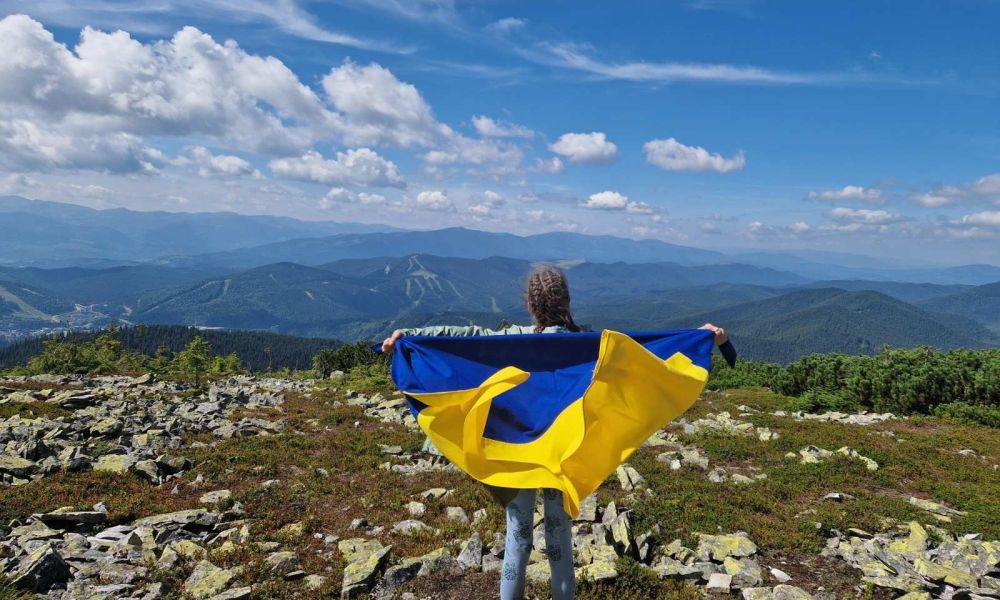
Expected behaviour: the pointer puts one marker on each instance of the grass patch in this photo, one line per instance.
(32, 410)
(324, 432)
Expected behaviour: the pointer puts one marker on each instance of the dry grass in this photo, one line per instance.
(921, 460)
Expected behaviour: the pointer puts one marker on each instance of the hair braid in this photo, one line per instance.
(548, 299)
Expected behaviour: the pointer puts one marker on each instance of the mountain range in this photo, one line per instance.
(68, 267)
(776, 315)
(52, 234)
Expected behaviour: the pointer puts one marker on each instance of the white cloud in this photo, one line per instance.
(639, 208)
(758, 229)
(434, 200)
(498, 157)
(16, 182)
(153, 17)
(339, 196)
(585, 148)
(30, 145)
(553, 165)
(379, 108)
(111, 89)
(862, 216)
(491, 198)
(671, 155)
(506, 25)
(579, 57)
(488, 127)
(799, 228)
(220, 164)
(361, 166)
(607, 200)
(984, 188)
(986, 218)
(486, 204)
(850, 192)
(91, 107)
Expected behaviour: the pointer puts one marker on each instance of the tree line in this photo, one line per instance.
(963, 384)
(259, 351)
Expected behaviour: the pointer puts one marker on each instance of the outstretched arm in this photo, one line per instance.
(720, 333)
(389, 344)
(722, 342)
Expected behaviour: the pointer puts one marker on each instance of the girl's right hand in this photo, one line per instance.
(389, 344)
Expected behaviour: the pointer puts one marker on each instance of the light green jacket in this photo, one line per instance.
(471, 330)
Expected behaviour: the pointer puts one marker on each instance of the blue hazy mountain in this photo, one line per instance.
(458, 242)
(777, 313)
(42, 233)
(981, 303)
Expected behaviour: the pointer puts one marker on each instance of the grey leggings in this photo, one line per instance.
(558, 545)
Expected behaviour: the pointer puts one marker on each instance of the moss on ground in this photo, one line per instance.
(920, 459)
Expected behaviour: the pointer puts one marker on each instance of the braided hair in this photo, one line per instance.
(548, 299)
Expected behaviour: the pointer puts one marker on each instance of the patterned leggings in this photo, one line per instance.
(558, 545)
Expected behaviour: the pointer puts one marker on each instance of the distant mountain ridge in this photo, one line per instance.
(457, 242)
(51, 234)
(776, 315)
(43, 233)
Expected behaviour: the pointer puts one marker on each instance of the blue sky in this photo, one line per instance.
(869, 127)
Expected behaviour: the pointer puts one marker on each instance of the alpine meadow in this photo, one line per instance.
(466, 300)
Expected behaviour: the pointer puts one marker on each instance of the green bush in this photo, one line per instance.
(745, 374)
(105, 355)
(900, 381)
(969, 414)
(346, 357)
(820, 400)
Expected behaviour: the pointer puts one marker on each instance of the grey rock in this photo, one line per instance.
(41, 570)
(471, 554)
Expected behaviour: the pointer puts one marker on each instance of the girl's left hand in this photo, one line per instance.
(720, 333)
(389, 344)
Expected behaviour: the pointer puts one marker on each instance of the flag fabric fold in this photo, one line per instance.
(559, 411)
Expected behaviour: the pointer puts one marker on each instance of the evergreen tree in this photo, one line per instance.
(194, 359)
(325, 362)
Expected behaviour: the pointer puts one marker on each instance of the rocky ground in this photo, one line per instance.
(260, 488)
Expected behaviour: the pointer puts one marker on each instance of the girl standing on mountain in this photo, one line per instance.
(548, 303)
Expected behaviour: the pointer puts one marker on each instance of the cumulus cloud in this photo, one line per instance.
(379, 108)
(30, 145)
(984, 188)
(585, 148)
(552, 166)
(609, 200)
(986, 218)
(221, 164)
(113, 84)
(488, 127)
(434, 200)
(339, 196)
(91, 106)
(486, 204)
(671, 155)
(361, 166)
(850, 192)
(494, 158)
(862, 216)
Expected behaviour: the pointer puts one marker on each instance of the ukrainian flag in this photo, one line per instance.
(559, 410)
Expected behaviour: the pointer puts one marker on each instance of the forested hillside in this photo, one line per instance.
(257, 350)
